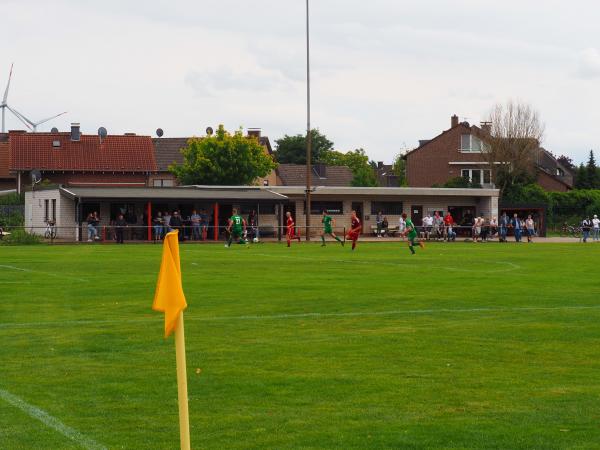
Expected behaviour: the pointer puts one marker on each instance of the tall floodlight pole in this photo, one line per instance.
(308, 133)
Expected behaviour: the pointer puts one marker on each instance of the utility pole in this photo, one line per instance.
(308, 133)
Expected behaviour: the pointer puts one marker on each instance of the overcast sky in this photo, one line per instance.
(385, 73)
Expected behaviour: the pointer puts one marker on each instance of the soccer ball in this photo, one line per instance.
(255, 240)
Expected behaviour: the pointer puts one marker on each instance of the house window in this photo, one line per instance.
(54, 209)
(330, 207)
(477, 176)
(46, 210)
(470, 143)
(387, 208)
(163, 183)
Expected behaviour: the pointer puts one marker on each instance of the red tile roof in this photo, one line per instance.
(117, 153)
(4, 172)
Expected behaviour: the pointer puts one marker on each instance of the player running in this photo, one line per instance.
(328, 224)
(412, 234)
(355, 229)
(291, 229)
(236, 228)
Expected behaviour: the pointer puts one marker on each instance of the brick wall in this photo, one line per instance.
(549, 183)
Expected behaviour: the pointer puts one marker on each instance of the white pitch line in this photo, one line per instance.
(510, 265)
(20, 269)
(50, 422)
(306, 315)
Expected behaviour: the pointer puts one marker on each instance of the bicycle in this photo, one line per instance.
(50, 232)
(570, 230)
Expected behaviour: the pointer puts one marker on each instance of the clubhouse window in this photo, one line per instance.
(331, 207)
(387, 208)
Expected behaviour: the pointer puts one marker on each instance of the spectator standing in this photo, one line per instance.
(504, 224)
(195, 219)
(586, 225)
(252, 223)
(176, 224)
(379, 222)
(448, 221)
(484, 229)
(596, 227)
(438, 225)
(158, 226)
(530, 227)
(476, 228)
(517, 228)
(427, 225)
(167, 222)
(120, 225)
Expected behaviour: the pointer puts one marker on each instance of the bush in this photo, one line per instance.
(19, 236)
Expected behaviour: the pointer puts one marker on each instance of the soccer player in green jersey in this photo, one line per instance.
(236, 227)
(328, 224)
(411, 230)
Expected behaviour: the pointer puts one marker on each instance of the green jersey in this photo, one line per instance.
(236, 224)
(327, 224)
(412, 232)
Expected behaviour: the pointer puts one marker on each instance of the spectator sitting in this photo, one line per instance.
(450, 233)
(384, 226)
(92, 221)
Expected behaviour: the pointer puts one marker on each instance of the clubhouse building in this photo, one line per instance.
(69, 206)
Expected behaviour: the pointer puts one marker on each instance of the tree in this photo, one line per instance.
(512, 145)
(292, 149)
(223, 159)
(399, 168)
(592, 172)
(567, 162)
(357, 160)
(581, 178)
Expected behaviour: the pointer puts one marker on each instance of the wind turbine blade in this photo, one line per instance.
(28, 123)
(7, 85)
(49, 118)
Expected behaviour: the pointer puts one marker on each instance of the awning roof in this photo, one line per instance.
(181, 193)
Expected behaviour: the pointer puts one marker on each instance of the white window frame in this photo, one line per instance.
(472, 139)
(481, 175)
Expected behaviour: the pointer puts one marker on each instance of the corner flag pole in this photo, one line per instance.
(182, 393)
(169, 298)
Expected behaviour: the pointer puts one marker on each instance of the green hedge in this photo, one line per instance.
(20, 237)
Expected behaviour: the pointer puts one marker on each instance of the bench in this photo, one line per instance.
(390, 231)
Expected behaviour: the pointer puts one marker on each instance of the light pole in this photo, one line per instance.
(308, 133)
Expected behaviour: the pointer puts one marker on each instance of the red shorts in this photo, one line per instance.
(290, 233)
(353, 235)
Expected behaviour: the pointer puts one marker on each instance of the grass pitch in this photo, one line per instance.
(460, 346)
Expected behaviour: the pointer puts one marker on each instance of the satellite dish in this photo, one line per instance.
(159, 132)
(54, 130)
(209, 131)
(36, 176)
(102, 132)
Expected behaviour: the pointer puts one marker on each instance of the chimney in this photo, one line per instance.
(453, 121)
(75, 132)
(380, 164)
(486, 127)
(255, 132)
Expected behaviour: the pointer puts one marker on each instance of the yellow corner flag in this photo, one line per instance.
(169, 297)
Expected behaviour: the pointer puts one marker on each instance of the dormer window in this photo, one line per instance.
(56, 144)
(470, 143)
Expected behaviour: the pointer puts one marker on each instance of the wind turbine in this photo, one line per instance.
(27, 122)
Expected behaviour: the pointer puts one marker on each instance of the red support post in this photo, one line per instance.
(216, 222)
(149, 212)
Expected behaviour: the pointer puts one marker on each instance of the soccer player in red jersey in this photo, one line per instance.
(291, 229)
(355, 229)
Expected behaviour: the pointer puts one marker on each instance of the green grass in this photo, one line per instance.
(460, 346)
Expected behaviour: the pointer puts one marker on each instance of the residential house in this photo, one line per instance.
(76, 159)
(322, 175)
(7, 180)
(385, 175)
(457, 152)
